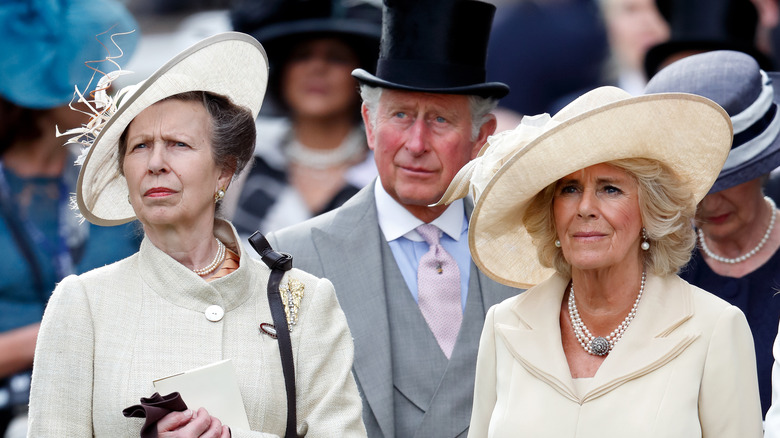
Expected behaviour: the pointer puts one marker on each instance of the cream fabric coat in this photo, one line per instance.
(108, 333)
(684, 368)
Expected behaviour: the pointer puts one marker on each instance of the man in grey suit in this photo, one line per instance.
(427, 113)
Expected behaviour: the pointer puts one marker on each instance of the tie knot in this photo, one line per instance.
(431, 233)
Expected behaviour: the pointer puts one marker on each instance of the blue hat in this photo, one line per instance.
(748, 94)
(44, 45)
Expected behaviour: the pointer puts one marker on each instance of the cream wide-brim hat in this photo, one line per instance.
(231, 64)
(690, 134)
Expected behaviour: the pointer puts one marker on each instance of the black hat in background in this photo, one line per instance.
(699, 26)
(279, 24)
(435, 46)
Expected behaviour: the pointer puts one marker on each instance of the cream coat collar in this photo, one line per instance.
(656, 336)
(168, 278)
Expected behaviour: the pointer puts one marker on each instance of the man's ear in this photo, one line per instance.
(364, 112)
(486, 130)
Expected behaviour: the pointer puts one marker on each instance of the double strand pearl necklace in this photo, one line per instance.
(218, 259)
(598, 345)
(748, 254)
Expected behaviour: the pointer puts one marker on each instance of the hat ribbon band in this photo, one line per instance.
(762, 132)
(757, 109)
(437, 75)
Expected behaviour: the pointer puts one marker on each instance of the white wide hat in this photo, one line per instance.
(688, 133)
(231, 64)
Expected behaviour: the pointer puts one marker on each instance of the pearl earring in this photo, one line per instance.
(645, 244)
(219, 195)
(557, 243)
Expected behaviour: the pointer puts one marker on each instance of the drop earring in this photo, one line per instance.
(645, 244)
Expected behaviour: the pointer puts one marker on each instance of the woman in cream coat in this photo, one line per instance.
(191, 296)
(593, 206)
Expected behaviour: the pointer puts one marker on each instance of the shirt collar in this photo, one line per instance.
(395, 221)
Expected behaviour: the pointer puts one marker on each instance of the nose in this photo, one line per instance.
(416, 141)
(157, 161)
(587, 205)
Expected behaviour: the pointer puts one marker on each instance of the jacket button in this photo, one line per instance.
(214, 313)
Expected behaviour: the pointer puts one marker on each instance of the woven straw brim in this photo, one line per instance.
(231, 64)
(690, 134)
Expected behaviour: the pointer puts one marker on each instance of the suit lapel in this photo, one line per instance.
(654, 338)
(352, 257)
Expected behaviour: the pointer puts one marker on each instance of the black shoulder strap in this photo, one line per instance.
(279, 263)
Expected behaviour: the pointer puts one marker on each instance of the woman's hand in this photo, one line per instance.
(189, 424)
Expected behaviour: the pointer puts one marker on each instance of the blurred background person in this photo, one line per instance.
(548, 52)
(43, 50)
(633, 27)
(705, 25)
(314, 157)
(737, 257)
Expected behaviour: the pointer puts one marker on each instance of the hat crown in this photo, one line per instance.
(590, 101)
(436, 46)
(731, 79)
(434, 31)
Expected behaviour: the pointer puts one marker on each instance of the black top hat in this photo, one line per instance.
(279, 24)
(707, 25)
(435, 46)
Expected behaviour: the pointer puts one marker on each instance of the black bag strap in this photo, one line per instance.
(279, 263)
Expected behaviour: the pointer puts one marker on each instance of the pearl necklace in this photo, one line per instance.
(218, 259)
(350, 148)
(598, 345)
(748, 254)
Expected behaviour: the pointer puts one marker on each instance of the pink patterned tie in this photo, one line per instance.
(438, 288)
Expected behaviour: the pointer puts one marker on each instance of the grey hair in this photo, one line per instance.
(480, 107)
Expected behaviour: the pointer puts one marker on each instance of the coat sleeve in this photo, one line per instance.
(61, 391)
(485, 379)
(328, 401)
(772, 425)
(729, 405)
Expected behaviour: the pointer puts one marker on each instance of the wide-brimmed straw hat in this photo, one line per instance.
(690, 134)
(748, 94)
(231, 64)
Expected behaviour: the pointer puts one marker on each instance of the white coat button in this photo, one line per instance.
(214, 313)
